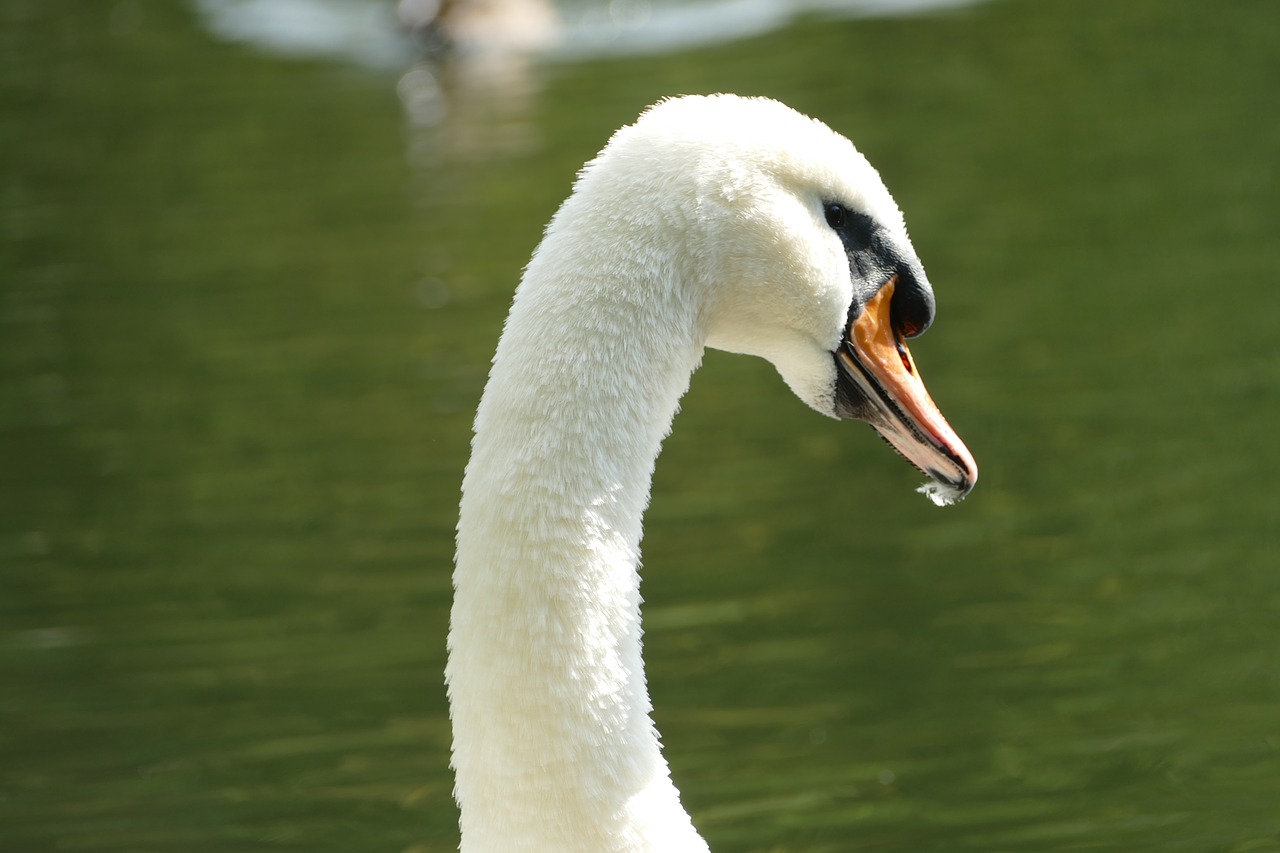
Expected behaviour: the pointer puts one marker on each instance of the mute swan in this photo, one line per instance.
(716, 221)
(481, 26)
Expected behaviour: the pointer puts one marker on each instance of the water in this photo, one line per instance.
(246, 307)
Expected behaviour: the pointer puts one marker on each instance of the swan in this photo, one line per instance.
(712, 221)
(481, 26)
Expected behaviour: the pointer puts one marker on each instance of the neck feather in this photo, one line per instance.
(554, 748)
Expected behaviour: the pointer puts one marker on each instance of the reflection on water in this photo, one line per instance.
(242, 338)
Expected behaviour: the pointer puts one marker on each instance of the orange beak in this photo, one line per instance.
(878, 383)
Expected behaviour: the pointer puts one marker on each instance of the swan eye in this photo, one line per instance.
(837, 214)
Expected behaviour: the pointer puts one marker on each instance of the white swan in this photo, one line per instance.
(712, 221)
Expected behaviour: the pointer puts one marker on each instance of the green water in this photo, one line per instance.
(246, 313)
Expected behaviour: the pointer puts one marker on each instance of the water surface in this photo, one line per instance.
(247, 304)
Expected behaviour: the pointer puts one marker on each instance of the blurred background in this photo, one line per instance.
(255, 257)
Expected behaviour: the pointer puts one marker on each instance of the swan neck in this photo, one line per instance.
(554, 747)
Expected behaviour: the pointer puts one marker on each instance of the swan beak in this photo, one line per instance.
(877, 382)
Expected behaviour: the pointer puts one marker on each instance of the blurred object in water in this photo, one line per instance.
(353, 30)
(383, 34)
(481, 26)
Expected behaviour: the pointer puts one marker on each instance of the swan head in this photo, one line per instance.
(799, 255)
